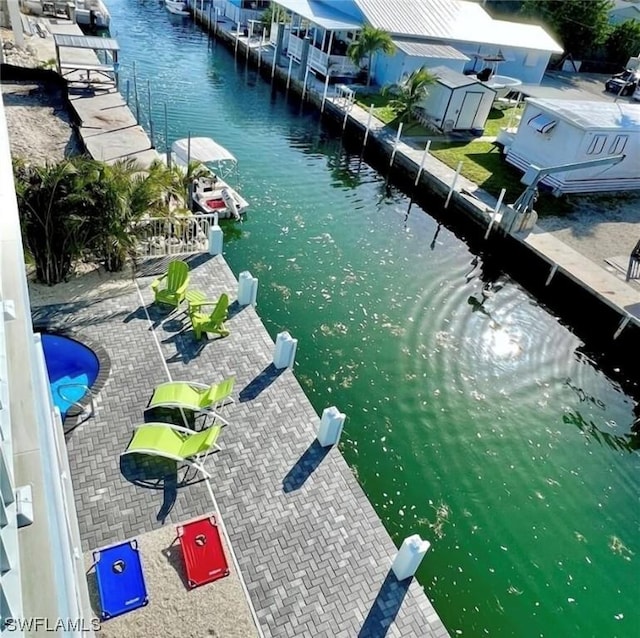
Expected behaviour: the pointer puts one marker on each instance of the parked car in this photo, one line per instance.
(624, 83)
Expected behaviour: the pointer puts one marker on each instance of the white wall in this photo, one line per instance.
(526, 65)
(567, 143)
(390, 69)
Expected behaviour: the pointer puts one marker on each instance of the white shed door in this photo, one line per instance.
(468, 110)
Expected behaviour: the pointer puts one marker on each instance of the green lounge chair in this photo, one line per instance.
(212, 322)
(175, 442)
(172, 286)
(198, 397)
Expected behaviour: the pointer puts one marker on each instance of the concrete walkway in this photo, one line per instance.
(313, 553)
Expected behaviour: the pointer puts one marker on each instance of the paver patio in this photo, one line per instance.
(314, 555)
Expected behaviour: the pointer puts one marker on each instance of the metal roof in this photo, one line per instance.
(593, 115)
(85, 42)
(321, 14)
(453, 20)
(429, 50)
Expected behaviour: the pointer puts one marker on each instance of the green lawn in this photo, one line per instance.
(499, 118)
(483, 164)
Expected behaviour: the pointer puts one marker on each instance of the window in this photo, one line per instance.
(618, 144)
(542, 123)
(532, 58)
(597, 145)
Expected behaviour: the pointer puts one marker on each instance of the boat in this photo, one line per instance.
(209, 192)
(92, 13)
(177, 7)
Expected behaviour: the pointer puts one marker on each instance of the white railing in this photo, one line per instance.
(337, 65)
(160, 236)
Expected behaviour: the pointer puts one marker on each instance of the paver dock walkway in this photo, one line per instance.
(313, 553)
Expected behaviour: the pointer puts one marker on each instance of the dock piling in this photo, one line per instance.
(235, 51)
(453, 184)
(331, 425)
(422, 161)
(285, 351)
(494, 214)
(368, 127)
(289, 72)
(216, 238)
(623, 324)
(324, 94)
(409, 557)
(395, 145)
(247, 289)
(135, 93)
(554, 270)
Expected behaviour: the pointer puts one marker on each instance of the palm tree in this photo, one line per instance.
(370, 41)
(123, 194)
(52, 201)
(409, 92)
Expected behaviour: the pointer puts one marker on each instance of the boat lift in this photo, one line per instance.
(521, 216)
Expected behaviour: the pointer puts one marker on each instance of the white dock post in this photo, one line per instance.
(409, 556)
(622, 326)
(422, 161)
(494, 214)
(304, 83)
(346, 117)
(330, 427)
(289, 72)
(247, 289)
(368, 127)
(554, 270)
(324, 94)
(216, 238)
(395, 144)
(453, 184)
(235, 51)
(215, 26)
(285, 351)
(262, 40)
(276, 53)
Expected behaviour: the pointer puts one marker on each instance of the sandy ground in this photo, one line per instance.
(216, 610)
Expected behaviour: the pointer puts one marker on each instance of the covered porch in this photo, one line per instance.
(329, 33)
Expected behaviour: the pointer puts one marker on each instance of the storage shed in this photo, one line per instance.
(556, 132)
(457, 102)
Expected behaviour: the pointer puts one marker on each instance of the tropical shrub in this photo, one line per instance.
(409, 92)
(81, 206)
(370, 41)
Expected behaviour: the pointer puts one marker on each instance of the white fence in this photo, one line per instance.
(160, 236)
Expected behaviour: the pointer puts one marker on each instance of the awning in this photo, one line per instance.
(321, 14)
(542, 123)
(201, 149)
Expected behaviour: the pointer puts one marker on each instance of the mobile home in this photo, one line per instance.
(558, 132)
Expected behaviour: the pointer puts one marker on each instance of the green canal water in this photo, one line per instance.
(473, 418)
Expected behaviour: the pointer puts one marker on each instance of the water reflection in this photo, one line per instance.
(628, 442)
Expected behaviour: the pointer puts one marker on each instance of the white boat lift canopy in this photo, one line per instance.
(200, 149)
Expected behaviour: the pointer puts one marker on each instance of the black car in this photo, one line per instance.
(624, 83)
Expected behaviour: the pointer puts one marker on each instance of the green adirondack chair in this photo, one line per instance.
(176, 443)
(212, 322)
(172, 286)
(197, 397)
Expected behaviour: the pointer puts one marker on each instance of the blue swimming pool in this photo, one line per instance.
(72, 367)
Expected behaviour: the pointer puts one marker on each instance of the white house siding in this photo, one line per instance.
(527, 65)
(388, 69)
(568, 142)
